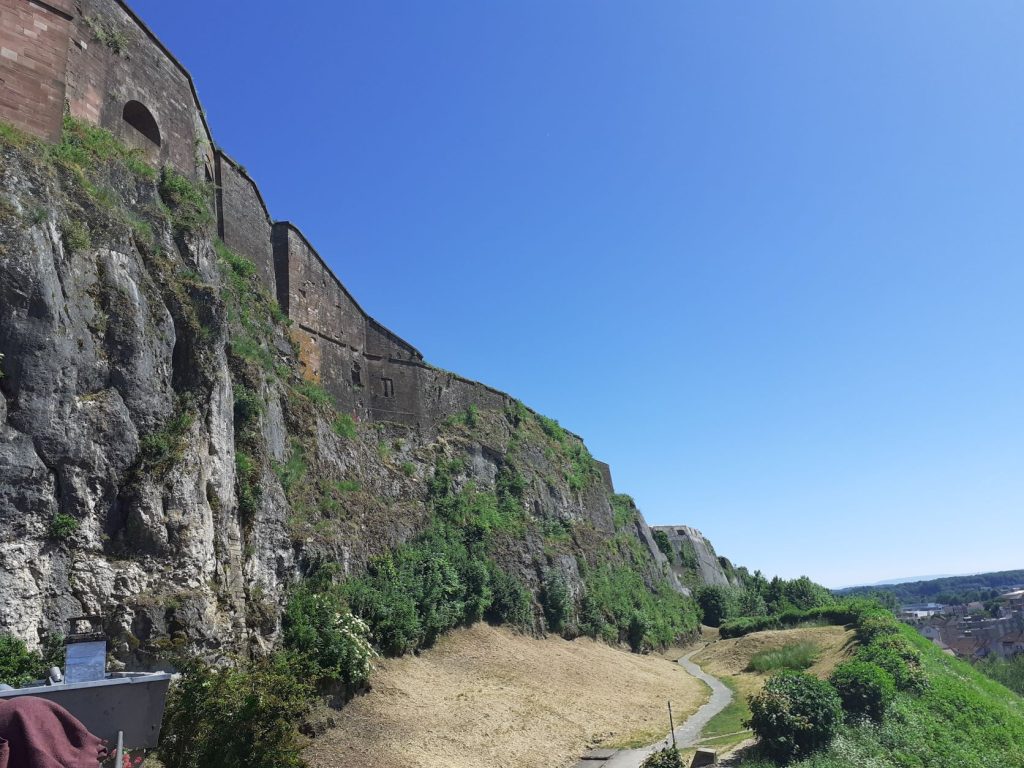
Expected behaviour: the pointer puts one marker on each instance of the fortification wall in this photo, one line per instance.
(243, 221)
(327, 323)
(33, 62)
(110, 69)
(380, 342)
(115, 61)
(317, 300)
(114, 72)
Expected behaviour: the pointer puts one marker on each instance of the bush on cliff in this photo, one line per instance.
(334, 644)
(619, 607)
(236, 716)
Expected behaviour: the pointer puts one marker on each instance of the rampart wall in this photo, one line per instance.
(243, 221)
(33, 63)
(99, 61)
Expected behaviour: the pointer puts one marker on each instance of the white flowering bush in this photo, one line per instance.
(334, 643)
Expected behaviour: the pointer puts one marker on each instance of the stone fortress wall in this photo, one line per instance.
(99, 60)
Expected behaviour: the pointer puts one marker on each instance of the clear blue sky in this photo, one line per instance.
(768, 258)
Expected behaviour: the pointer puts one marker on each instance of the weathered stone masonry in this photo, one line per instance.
(97, 59)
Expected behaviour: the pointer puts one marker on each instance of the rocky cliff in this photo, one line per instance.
(692, 558)
(165, 464)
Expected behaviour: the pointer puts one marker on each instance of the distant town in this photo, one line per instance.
(973, 630)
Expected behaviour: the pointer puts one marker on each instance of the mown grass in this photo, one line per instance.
(798, 656)
(728, 727)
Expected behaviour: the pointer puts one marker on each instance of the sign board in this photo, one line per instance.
(86, 661)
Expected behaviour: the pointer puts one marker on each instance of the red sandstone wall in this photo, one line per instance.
(101, 79)
(33, 61)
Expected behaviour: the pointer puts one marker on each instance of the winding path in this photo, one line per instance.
(688, 733)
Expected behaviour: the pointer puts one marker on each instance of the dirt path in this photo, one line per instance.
(687, 734)
(489, 697)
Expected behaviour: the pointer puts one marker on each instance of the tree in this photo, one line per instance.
(714, 602)
(804, 594)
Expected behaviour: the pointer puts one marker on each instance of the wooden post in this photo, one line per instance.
(671, 725)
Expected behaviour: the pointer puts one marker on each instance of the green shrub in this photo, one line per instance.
(248, 408)
(840, 612)
(618, 606)
(1009, 672)
(315, 393)
(804, 595)
(345, 426)
(236, 716)
(190, 204)
(408, 468)
(247, 481)
(63, 526)
(76, 235)
(249, 349)
(318, 625)
(661, 539)
(107, 33)
(876, 625)
(582, 467)
(556, 601)
(18, 665)
(552, 429)
(865, 689)
(83, 146)
(161, 450)
(241, 266)
(471, 416)
(444, 577)
(623, 510)
(716, 603)
(795, 714)
(510, 600)
(795, 656)
(668, 757)
(897, 657)
(294, 469)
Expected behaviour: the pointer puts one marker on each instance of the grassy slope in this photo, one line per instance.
(965, 720)
(729, 660)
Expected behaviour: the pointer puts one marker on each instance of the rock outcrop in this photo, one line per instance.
(165, 464)
(693, 560)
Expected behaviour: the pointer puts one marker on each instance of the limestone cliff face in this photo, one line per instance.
(163, 462)
(693, 559)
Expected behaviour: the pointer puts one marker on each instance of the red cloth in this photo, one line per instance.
(36, 733)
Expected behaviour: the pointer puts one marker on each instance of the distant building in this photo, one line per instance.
(916, 611)
(1010, 645)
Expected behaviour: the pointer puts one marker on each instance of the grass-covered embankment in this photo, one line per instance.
(942, 714)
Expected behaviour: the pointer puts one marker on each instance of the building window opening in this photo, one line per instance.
(142, 120)
(388, 387)
(357, 375)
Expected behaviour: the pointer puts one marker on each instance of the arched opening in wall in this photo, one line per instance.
(142, 120)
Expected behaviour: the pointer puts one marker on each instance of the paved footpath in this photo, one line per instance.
(687, 734)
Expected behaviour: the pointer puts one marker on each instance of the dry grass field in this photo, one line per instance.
(486, 697)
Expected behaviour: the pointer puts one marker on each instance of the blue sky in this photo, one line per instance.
(765, 257)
